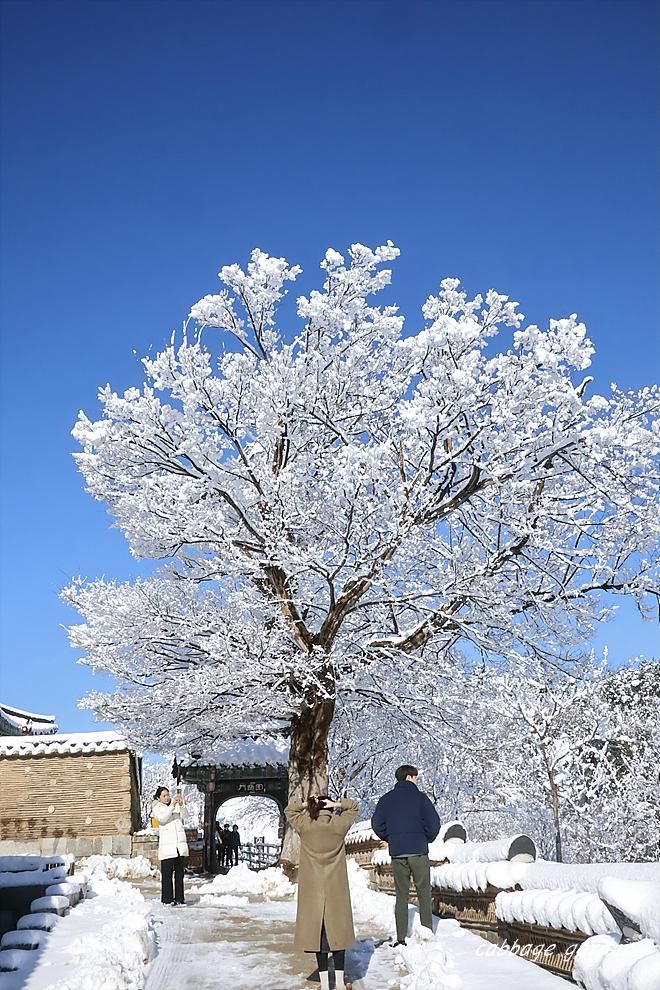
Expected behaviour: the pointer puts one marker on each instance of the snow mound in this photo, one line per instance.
(266, 885)
(136, 868)
(224, 900)
(373, 907)
(601, 963)
(426, 960)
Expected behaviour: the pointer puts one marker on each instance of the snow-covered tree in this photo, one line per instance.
(344, 510)
(157, 773)
(571, 758)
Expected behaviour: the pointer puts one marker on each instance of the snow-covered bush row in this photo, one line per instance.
(476, 876)
(136, 868)
(583, 876)
(572, 910)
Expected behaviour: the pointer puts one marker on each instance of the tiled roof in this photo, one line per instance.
(15, 720)
(263, 751)
(64, 744)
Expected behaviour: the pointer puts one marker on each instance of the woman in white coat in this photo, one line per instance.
(172, 845)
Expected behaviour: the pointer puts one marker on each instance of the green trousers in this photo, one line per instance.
(403, 868)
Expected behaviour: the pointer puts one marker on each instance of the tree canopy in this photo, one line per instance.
(347, 508)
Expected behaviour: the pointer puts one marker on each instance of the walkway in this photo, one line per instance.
(242, 946)
(236, 944)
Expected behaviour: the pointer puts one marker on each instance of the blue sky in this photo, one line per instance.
(511, 144)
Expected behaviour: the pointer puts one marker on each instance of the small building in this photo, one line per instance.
(16, 722)
(75, 792)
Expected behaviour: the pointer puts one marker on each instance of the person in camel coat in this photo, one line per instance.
(324, 919)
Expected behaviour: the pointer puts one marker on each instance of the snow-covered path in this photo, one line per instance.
(243, 946)
(222, 941)
(236, 933)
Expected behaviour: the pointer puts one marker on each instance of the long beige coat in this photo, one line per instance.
(323, 894)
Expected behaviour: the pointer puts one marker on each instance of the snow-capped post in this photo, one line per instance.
(338, 508)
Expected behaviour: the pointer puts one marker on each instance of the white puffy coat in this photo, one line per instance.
(171, 833)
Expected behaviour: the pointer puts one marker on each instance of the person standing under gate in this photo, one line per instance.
(234, 845)
(324, 919)
(406, 819)
(226, 847)
(172, 844)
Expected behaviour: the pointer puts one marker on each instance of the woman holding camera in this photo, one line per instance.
(324, 919)
(172, 844)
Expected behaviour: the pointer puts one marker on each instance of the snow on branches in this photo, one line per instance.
(340, 507)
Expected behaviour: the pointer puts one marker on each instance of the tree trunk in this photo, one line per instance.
(556, 819)
(308, 762)
(554, 799)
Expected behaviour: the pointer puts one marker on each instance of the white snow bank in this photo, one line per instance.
(583, 876)
(477, 876)
(602, 963)
(571, 910)
(103, 944)
(136, 868)
(427, 962)
(374, 908)
(266, 885)
(639, 900)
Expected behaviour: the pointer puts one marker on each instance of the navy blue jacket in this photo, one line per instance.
(406, 819)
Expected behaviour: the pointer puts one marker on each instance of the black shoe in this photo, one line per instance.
(402, 942)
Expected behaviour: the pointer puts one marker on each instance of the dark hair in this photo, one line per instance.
(315, 805)
(406, 770)
(159, 791)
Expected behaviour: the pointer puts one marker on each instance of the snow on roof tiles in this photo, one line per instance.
(266, 751)
(64, 744)
(22, 720)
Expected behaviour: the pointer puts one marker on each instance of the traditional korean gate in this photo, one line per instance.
(218, 783)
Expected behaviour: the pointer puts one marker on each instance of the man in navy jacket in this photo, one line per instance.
(407, 820)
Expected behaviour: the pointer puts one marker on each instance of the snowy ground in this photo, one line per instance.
(236, 933)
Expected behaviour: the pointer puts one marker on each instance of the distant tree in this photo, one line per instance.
(158, 773)
(572, 758)
(340, 509)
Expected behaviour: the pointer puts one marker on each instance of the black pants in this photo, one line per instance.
(233, 856)
(172, 868)
(338, 955)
